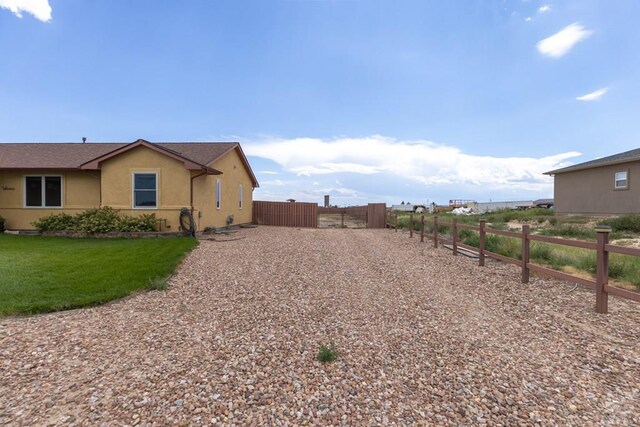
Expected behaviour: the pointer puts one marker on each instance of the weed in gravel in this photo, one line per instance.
(327, 353)
(158, 284)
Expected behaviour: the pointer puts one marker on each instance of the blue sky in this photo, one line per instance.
(365, 100)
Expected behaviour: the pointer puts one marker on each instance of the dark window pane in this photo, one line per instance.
(145, 181)
(145, 199)
(34, 190)
(53, 191)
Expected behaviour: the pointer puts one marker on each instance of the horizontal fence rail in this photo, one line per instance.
(601, 247)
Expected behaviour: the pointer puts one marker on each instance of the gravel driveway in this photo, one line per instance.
(423, 338)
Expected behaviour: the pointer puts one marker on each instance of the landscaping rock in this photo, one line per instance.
(422, 336)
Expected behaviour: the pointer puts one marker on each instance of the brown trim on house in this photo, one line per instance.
(191, 189)
(245, 162)
(189, 164)
(581, 168)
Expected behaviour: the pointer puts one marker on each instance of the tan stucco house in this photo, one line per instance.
(605, 186)
(213, 180)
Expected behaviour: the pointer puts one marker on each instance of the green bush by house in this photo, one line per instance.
(101, 220)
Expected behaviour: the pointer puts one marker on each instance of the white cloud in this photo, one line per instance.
(419, 161)
(269, 172)
(38, 8)
(527, 19)
(561, 42)
(593, 96)
(544, 8)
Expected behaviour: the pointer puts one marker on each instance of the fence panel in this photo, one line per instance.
(285, 214)
(376, 213)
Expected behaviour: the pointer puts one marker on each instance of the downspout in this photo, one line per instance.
(191, 189)
(99, 176)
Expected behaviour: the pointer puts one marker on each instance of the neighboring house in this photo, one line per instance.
(606, 186)
(213, 180)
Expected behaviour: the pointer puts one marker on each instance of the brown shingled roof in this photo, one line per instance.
(74, 155)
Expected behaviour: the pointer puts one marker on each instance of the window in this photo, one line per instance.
(217, 193)
(145, 190)
(621, 180)
(43, 191)
(240, 196)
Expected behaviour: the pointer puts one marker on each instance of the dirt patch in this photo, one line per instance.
(337, 221)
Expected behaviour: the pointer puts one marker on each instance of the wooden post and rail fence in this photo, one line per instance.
(601, 247)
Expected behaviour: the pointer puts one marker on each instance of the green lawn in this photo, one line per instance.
(43, 274)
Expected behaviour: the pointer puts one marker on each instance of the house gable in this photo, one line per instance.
(187, 163)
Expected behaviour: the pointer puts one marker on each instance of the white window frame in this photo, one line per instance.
(626, 179)
(218, 195)
(44, 189)
(133, 189)
(239, 196)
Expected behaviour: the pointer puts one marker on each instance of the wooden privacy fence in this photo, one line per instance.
(601, 247)
(297, 214)
(285, 214)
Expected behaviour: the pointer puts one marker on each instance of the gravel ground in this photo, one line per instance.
(423, 337)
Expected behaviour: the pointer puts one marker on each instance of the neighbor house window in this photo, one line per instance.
(43, 191)
(217, 194)
(622, 180)
(240, 196)
(145, 190)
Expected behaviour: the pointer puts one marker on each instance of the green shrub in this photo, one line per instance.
(100, 220)
(469, 237)
(1, 223)
(541, 252)
(56, 222)
(571, 231)
(144, 222)
(624, 223)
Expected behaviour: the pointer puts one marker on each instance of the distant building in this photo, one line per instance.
(482, 207)
(606, 186)
(408, 207)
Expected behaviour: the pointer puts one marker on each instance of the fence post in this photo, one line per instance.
(526, 251)
(422, 228)
(454, 235)
(411, 225)
(395, 222)
(602, 269)
(342, 219)
(483, 223)
(435, 231)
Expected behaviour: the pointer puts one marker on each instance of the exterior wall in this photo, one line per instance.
(173, 182)
(80, 191)
(591, 191)
(204, 194)
(113, 186)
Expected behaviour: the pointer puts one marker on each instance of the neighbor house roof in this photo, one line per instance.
(194, 155)
(627, 156)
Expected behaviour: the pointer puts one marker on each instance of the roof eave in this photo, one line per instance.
(245, 161)
(599, 165)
